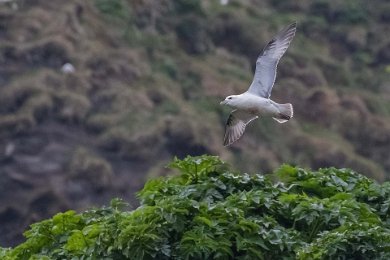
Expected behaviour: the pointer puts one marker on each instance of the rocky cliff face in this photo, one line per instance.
(143, 82)
(52, 159)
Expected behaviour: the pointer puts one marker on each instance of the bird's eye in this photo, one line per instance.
(229, 97)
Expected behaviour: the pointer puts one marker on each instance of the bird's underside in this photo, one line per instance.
(239, 119)
(235, 125)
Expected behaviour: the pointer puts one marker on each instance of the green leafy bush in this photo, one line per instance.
(210, 212)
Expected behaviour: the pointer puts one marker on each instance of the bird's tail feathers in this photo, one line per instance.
(286, 112)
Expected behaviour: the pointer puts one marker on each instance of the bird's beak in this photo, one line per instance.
(223, 102)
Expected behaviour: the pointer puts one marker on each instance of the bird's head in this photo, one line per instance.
(229, 100)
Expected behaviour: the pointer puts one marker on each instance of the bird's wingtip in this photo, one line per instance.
(293, 25)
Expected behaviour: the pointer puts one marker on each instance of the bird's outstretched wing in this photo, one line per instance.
(267, 62)
(235, 126)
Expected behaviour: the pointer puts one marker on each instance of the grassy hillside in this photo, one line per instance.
(147, 84)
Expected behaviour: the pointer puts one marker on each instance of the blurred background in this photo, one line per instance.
(97, 96)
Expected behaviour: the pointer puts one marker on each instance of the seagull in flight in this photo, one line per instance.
(256, 100)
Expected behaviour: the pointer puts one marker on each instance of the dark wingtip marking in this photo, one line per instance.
(229, 120)
(285, 117)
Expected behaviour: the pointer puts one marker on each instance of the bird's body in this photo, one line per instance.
(256, 100)
(255, 105)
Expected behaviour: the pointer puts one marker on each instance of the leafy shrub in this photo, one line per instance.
(211, 212)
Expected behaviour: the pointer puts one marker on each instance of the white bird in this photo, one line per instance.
(256, 100)
(68, 68)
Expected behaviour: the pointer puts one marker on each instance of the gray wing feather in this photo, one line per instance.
(235, 126)
(267, 62)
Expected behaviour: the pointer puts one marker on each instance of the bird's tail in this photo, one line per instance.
(286, 112)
